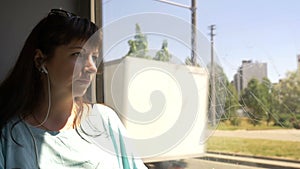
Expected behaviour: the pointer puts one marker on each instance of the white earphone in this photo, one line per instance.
(44, 69)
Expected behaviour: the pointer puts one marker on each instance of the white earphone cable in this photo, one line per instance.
(49, 103)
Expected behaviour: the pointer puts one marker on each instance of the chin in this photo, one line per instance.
(78, 94)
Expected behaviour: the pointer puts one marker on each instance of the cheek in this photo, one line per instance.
(65, 76)
(77, 69)
(66, 73)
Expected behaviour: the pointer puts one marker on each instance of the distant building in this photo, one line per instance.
(248, 71)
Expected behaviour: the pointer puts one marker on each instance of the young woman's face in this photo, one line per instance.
(72, 68)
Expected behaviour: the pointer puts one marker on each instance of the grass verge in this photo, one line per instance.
(256, 147)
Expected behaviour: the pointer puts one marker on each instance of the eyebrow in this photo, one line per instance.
(81, 48)
(76, 47)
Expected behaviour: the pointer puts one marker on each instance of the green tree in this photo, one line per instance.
(252, 102)
(289, 96)
(267, 102)
(259, 99)
(132, 50)
(232, 105)
(163, 54)
(188, 61)
(221, 92)
(265, 97)
(139, 45)
(290, 92)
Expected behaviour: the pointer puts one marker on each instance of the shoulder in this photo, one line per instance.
(105, 111)
(116, 131)
(16, 145)
(106, 115)
(14, 134)
(14, 126)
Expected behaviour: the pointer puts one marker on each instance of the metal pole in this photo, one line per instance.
(193, 9)
(213, 83)
(194, 33)
(174, 3)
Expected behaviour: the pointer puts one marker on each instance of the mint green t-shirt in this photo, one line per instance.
(96, 145)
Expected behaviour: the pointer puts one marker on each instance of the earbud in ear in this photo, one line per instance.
(44, 69)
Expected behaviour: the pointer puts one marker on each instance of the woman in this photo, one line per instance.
(44, 120)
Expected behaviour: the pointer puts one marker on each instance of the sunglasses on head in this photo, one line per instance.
(61, 12)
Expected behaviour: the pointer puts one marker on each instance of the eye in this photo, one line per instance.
(76, 54)
(95, 58)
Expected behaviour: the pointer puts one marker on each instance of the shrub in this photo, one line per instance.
(295, 122)
(235, 121)
(283, 120)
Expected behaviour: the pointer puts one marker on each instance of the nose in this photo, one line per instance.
(90, 65)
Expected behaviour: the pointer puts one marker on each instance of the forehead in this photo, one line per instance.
(76, 43)
(83, 45)
(86, 46)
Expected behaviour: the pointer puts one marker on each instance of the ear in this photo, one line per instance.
(39, 58)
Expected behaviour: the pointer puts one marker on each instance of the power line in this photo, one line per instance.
(193, 9)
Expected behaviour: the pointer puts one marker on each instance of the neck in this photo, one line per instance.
(61, 115)
(62, 112)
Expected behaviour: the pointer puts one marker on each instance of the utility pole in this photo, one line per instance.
(193, 9)
(212, 76)
(194, 33)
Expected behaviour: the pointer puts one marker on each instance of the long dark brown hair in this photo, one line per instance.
(22, 90)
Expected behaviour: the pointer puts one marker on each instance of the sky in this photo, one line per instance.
(258, 30)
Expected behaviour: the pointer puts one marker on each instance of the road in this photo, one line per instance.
(204, 164)
(220, 161)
